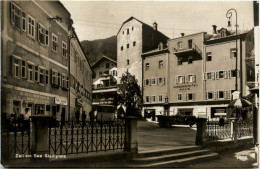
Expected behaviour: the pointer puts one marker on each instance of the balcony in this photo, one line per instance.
(107, 101)
(190, 49)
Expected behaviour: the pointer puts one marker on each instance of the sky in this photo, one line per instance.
(99, 20)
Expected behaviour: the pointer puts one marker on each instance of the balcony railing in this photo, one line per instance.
(103, 86)
(187, 49)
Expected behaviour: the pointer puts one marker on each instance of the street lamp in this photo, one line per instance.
(229, 15)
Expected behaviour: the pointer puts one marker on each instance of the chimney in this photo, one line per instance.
(214, 29)
(155, 26)
(160, 46)
(182, 34)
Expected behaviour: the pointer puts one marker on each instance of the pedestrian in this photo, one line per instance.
(221, 121)
(83, 117)
(26, 121)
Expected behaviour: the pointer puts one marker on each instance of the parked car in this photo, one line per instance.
(168, 121)
(105, 112)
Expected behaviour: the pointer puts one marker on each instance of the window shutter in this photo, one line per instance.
(186, 78)
(225, 74)
(217, 75)
(12, 65)
(229, 74)
(186, 96)
(38, 32)
(212, 75)
(144, 82)
(163, 79)
(225, 94)
(158, 81)
(207, 95)
(228, 94)
(150, 82)
(193, 96)
(194, 79)
(205, 76)
(213, 95)
(176, 79)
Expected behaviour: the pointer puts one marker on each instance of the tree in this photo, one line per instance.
(129, 94)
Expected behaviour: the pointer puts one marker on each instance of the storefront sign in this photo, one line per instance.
(185, 87)
(59, 100)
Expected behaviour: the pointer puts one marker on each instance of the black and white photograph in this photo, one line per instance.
(129, 84)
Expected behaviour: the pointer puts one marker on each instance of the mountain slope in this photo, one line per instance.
(96, 48)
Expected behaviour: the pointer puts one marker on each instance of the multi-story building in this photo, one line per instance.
(80, 95)
(134, 38)
(221, 78)
(34, 60)
(199, 74)
(155, 81)
(104, 81)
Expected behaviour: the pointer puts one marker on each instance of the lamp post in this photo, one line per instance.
(229, 15)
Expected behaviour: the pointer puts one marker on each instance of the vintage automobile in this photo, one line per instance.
(105, 113)
(168, 121)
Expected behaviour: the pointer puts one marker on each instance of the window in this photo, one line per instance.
(221, 74)
(190, 60)
(100, 74)
(31, 27)
(153, 98)
(160, 98)
(127, 31)
(221, 94)
(134, 43)
(208, 57)
(24, 21)
(209, 95)
(179, 96)
(147, 66)
(15, 15)
(30, 72)
(41, 34)
(190, 78)
(233, 53)
(59, 79)
(147, 98)
(16, 67)
(42, 71)
(127, 62)
(127, 46)
(160, 64)
(46, 77)
(54, 42)
(190, 96)
(233, 73)
(36, 73)
(190, 44)
(132, 28)
(46, 37)
(123, 32)
(54, 78)
(180, 61)
(161, 80)
(107, 65)
(122, 48)
(179, 45)
(106, 72)
(223, 33)
(180, 79)
(23, 71)
(153, 81)
(147, 82)
(64, 49)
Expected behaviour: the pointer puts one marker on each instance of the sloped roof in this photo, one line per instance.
(131, 18)
(103, 57)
